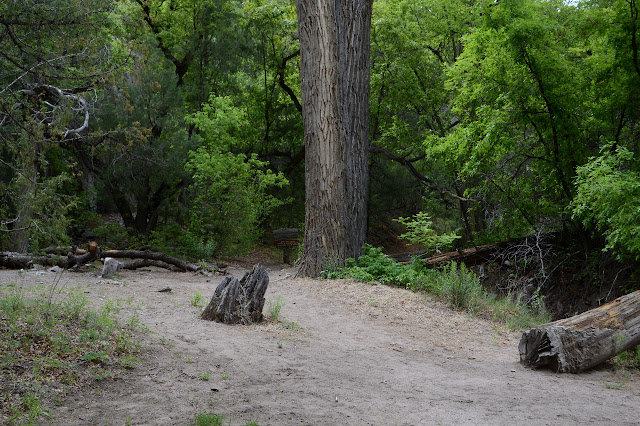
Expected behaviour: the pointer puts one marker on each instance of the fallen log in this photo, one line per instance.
(152, 255)
(143, 263)
(239, 302)
(583, 341)
(139, 258)
(12, 260)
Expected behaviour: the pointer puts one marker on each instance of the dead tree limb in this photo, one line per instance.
(239, 302)
(152, 255)
(581, 342)
(143, 263)
(138, 258)
(12, 260)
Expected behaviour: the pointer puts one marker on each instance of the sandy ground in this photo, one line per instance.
(353, 354)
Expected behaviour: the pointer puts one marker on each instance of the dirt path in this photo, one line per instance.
(354, 354)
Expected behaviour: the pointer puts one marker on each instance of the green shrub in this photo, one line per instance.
(275, 307)
(205, 418)
(374, 266)
(455, 284)
(420, 231)
(460, 286)
(230, 193)
(608, 199)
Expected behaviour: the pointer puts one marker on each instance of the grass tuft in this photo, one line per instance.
(53, 341)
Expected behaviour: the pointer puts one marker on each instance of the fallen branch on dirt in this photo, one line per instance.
(581, 342)
(12, 260)
(139, 259)
(143, 263)
(239, 302)
(163, 258)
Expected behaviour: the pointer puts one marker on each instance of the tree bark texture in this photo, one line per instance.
(581, 342)
(334, 71)
(239, 302)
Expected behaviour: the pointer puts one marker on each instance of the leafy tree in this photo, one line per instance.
(420, 231)
(534, 91)
(53, 57)
(608, 198)
(412, 47)
(230, 193)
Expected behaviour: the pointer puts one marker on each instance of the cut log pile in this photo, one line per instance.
(581, 342)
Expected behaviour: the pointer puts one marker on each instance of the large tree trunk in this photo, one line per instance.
(586, 340)
(334, 69)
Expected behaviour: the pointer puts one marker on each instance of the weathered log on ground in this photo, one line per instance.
(239, 302)
(470, 256)
(60, 251)
(138, 258)
(152, 255)
(73, 260)
(143, 263)
(12, 260)
(581, 342)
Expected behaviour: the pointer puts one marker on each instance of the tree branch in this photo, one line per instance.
(430, 183)
(281, 67)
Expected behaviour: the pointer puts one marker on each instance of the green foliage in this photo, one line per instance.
(535, 91)
(459, 286)
(50, 64)
(629, 359)
(275, 307)
(230, 194)
(515, 316)
(197, 299)
(608, 198)
(420, 231)
(205, 418)
(373, 266)
(454, 284)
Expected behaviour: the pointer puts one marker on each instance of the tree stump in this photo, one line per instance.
(239, 302)
(581, 342)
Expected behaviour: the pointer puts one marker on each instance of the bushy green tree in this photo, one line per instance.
(413, 44)
(538, 88)
(231, 193)
(608, 199)
(420, 230)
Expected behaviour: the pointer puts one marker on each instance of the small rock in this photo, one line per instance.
(111, 266)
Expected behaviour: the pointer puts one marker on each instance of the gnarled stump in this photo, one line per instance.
(578, 343)
(239, 302)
